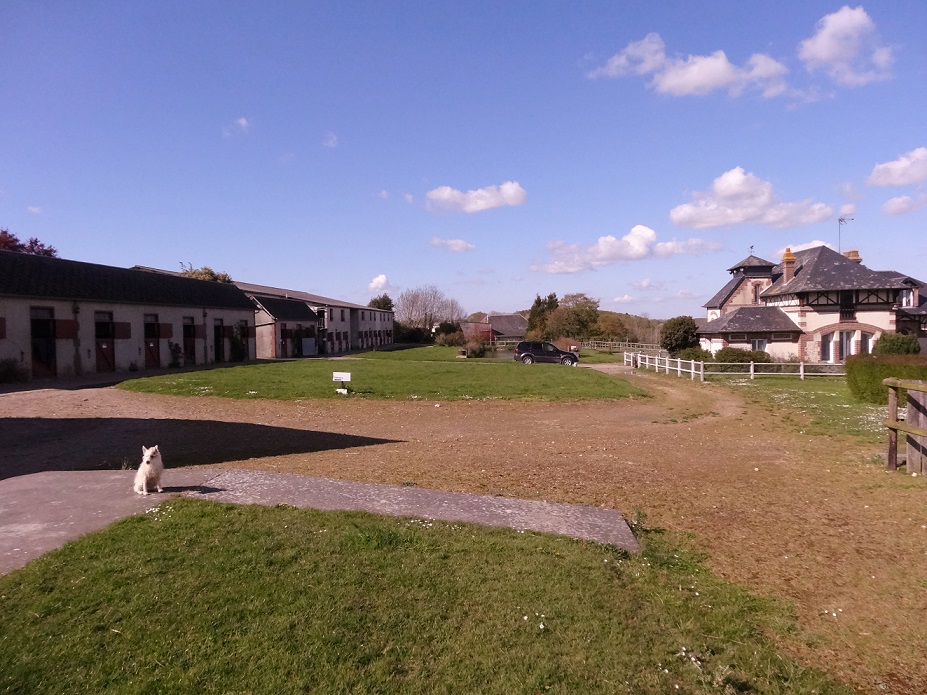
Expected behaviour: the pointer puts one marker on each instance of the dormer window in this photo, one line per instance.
(906, 298)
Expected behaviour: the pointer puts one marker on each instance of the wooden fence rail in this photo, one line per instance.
(914, 425)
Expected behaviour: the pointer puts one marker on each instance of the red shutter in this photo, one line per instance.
(122, 331)
(250, 331)
(66, 329)
(166, 330)
(2, 328)
(228, 331)
(199, 331)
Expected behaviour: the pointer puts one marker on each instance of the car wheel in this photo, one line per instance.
(527, 359)
(568, 361)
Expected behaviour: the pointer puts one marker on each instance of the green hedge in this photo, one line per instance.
(866, 372)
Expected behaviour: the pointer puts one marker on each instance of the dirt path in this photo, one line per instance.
(810, 520)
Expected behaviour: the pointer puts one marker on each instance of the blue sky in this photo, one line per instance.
(629, 150)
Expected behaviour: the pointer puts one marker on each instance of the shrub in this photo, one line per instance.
(412, 334)
(730, 354)
(866, 372)
(476, 347)
(12, 371)
(896, 344)
(731, 358)
(694, 353)
(455, 339)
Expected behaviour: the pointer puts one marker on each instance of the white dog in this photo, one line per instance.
(149, 471)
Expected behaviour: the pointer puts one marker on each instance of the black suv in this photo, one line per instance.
(530, 352)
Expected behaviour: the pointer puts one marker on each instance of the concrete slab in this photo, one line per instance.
(43, 511)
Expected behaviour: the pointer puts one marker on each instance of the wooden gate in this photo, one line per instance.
(105, 331)
(152, 342)
(914, 426)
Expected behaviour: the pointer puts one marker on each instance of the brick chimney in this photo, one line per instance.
(788, 265)
(853, 256)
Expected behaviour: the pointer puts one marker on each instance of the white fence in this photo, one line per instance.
(702, 370)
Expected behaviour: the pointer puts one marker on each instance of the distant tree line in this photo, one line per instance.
(11, 242)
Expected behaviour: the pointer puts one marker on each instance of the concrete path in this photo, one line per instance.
(43, 511)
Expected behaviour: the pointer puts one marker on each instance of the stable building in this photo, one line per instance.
(67, 318)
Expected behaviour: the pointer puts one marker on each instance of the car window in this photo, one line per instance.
(535, 347)
(549, 348)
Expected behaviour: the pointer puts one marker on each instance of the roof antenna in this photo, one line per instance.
(840, 222)
(751, 249)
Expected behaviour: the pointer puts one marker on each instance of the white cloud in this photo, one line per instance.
(330, 141)
(624, 299)
(383, 194)
(847, 209)
(640, 242)
(847, 47)
(737, 197)
(647, 284)
(694, 75)
(803, 246)
(408, 196)
(903, 204)
(34, 210)
(908, 169)
(455, 245)
(379, 284)
(687, 294)
(509, 193)
(240, 126)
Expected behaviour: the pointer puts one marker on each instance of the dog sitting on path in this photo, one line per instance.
(149, 471)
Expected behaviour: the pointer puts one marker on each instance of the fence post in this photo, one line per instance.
(751, 371)
(892, 463)
(916, 417)
(801, 370)
(702, 371)
(691, 370)
(678, 367)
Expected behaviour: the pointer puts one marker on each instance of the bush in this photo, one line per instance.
(694, 353)
(866, 372)
(732, 358)
(476, 348)
(411, 334)
(730, 354)
(455, 339)
(12, 371)
(897, 344)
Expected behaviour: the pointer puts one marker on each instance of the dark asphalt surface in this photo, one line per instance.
(42, 511)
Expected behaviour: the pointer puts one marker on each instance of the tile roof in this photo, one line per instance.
(822, 269)
(25, 275)
(287, 309)
(752, 319)
(751, 261)
(508, 324)
(724, 293)
(314, 299)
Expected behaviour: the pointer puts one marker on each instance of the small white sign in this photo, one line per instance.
(341, 376)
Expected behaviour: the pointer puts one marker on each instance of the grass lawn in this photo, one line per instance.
(203, 597)
(818, 406)
(394, 375)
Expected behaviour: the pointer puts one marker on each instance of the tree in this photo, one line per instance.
(383, 302)
(425, 306)
(477, 316)
(540, 310)
(575, 317)
(204, 273)
(678, 334)
(34, 247)
(611, 326)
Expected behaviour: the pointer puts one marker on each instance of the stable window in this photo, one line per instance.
(738, 337)
(758, 344)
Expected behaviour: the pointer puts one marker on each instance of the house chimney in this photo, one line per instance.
(853, 256)
(788, 265)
